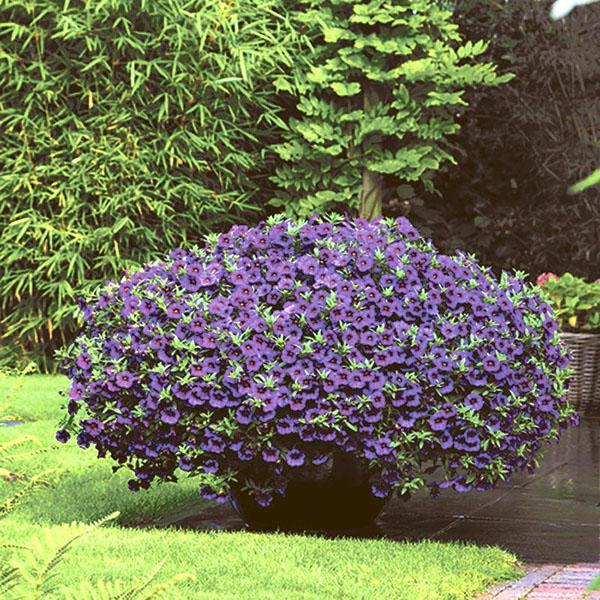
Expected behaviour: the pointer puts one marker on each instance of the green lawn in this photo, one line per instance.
(224, 565)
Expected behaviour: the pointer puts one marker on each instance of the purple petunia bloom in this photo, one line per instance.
(320, 459)
(381, 489)
(438, 422)
(210, 466)
(124, 379)
(461, 486)
(474, 401)
(93, 427)
(295, 457)
(84, 361)
(446, 440)
(270, 454)
(185, 463)
(175, 310)
(491, 364)
(76, 391)
(170, 415)
(63, 436)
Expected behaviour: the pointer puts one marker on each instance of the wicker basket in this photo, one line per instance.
(584, 387)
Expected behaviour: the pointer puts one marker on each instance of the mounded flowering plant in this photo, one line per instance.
(270, 348)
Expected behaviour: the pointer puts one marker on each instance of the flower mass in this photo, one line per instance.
(255, 357)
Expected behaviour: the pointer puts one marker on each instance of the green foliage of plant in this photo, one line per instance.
(575, 301)
(35, 575)
(592, 180)
(25, 483)
(595, 585)
(126, 126)
(376, 102)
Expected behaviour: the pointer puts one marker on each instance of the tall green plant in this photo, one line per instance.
(377, 102)
(126, 126)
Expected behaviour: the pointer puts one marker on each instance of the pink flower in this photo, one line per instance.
(543, 278)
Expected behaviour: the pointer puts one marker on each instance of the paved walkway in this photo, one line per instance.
(549, 582)
(550, 516)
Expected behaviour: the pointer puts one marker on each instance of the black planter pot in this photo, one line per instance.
(336, 498)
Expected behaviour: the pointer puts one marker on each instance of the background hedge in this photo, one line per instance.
(126, 127)
(522, 145)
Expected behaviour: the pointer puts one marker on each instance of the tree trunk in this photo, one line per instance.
(372, 183)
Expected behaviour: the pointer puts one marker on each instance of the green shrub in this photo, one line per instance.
(377, 101)
(127, 126)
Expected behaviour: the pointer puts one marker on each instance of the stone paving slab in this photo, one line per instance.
(549, 582)
(551, 516)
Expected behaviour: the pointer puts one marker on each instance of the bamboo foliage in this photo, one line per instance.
(126, 127)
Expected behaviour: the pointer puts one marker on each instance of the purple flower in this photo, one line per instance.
(320, 459)
(491, 364)
(474, 401)
(244, 415)
(213, 444)
(124, 379)
(84, 361)
(175, 310)
(383, 446)
(210, 466)
(460, 485)
(93, 427)
(438, 422)
(381, 489)
(323, 337)
(285, 426)
(295, 457)
(185, 463)
(63, 436)
(170, 415)
(472, 442)
(76, 391)
(270, 454)
(446, 440)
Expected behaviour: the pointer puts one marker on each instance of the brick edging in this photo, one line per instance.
(549, 581)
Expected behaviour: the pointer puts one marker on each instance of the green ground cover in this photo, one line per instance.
(224, 565)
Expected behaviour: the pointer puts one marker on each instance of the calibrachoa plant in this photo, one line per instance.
(271, 347)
